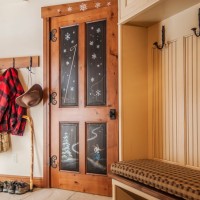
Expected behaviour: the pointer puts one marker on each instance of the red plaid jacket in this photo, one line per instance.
(10, 113)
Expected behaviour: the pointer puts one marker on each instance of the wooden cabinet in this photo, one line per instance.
(129, 8)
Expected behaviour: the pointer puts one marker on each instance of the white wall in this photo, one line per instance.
(21, 33)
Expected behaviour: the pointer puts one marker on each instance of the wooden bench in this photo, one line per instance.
(153, 180)
(124, 189)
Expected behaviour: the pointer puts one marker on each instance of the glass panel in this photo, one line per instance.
(96, 63)
(69, 147)
(69, 66)
(96, 148)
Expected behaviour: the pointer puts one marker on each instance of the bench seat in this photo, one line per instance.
(177, 180)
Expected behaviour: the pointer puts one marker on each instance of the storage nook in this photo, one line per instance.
(159, 88)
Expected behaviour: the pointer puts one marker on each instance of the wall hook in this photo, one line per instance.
(163, 40)
(195, 29)
(30, 65)
(13, 62)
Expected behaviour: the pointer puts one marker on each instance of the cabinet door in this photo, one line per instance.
(129, 8)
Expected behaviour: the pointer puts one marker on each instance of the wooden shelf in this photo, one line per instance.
(19, 62)
(160, 11)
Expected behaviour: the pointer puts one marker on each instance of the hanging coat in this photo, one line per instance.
(11, 120)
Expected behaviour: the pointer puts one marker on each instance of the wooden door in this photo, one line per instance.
(84, 88)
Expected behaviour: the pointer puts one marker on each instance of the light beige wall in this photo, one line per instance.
(134, 92)
(21, 35)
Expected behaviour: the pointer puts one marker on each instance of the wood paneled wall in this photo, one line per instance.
(176, 102)
(192, 98)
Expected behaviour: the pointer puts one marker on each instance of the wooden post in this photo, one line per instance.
(32, 150)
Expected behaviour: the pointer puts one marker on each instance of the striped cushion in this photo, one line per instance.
(177, 180)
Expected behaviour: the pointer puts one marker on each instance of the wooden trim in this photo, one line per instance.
(72, 8)
(46, 86)
(132, 186)
(19, 62)
(37, 181)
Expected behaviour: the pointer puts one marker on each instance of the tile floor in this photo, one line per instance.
(52, 194)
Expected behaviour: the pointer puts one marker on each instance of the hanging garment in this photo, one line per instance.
(11, 120)
(4, 142)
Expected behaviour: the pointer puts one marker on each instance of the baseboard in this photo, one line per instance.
(37, 181)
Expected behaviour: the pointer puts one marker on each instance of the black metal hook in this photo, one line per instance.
(195, 29)
(30, 65)
(163, 39)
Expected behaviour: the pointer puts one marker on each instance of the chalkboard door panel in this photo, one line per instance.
(69, 147)
(96, 154)
(84, 75)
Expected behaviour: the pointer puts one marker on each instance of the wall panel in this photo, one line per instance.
(192, 99)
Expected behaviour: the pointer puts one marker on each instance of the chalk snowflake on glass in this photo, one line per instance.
(92, 79)
(83, 7)
(98, 93)
(97, 5)
(69, 9)
(72, 88)
(91, 43)
(94, 56)
(67, 36)
(65, 50)
(98, 46)
(98, 30)
(67, 63)
(109, 3)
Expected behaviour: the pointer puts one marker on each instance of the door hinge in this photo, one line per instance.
(52, 98)
(52, 36)
(52, 161)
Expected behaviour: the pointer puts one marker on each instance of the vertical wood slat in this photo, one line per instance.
(192, 48)
(165, 104)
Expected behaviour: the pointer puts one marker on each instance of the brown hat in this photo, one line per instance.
(30, 98)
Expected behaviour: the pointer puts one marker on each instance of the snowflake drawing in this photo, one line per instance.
(98, 30)
(83, 7)
(67, 63)
(94, 56)
(98, 46)
(97, 5)
(67, 36)
(69, 9)
(109, 3)
(91, 43)
(92, 79)
(65, 50)
(98, 93)
(72, 88)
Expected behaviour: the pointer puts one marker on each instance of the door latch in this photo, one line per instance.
(113, 114)
(52, 161)
(52, 98)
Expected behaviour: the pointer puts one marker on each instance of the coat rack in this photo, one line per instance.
(19, 62)
(163, 40)
(195, 29)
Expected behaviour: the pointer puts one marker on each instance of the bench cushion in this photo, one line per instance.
(177, 180)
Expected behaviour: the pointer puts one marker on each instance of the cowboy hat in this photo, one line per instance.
(30, 98)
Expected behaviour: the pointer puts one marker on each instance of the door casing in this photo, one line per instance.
(48, 13)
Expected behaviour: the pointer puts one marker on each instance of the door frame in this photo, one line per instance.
(47, 13)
